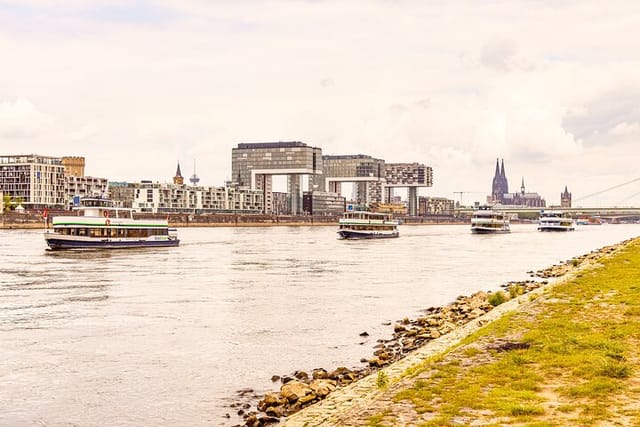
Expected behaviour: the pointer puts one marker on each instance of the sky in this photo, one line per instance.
(551, 87)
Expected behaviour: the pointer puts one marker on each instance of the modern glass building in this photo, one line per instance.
(254, 164)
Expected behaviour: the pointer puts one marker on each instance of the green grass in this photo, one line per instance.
(378, 420)
(515, 291)
(581, 339)
(496, 298)
(382, 380)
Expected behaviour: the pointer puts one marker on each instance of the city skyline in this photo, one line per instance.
(136, 87)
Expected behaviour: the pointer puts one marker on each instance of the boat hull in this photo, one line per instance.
(349, 234)
(57, 243)
(487, 230)
(555, 228)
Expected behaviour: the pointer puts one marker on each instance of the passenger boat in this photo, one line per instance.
(100, 224)
(555, 221)
(487, 221)
(367, 225)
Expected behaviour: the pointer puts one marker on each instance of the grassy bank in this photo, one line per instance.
(568, 357)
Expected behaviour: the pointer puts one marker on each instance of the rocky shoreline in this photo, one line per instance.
(301, 389)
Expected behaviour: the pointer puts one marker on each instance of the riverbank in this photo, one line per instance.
(34, 220)
(476, 361)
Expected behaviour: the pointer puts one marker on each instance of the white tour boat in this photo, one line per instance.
(487, 221)
(100, 224)
(555, 221)
(367, 225)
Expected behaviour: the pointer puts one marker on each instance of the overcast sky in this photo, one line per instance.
(553, 87)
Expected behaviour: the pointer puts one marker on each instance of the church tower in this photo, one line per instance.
(503, 177)
(178, 179)
(565, 198)
(496, 195)
(522, 187)
(500, 185)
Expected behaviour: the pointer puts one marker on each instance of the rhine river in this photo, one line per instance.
(168, 336)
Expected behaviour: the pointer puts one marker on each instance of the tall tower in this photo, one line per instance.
(503, 178)
(500, 186)
(495, 185)
(565, 198)
(178, 179)
(194, 178)
(522, 187)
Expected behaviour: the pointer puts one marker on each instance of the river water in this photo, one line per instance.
(168, 336)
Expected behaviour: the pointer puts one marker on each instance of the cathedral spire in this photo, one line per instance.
(503, 179)
(522, 187)
(496, 191)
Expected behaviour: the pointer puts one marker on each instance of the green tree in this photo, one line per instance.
(7, 202)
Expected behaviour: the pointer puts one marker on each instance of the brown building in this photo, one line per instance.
(435, 206)
(73, 165)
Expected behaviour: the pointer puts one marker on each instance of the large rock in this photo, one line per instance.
(294, 390)
(322, 387)
(319, 374)
(275, 411)
(271, 399)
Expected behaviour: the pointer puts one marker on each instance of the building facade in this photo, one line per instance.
(435, 206)
(85, 186)
(366, 173)
(34, 181)
(407, 175)
(323, 203)
(122, 193)
(73, 165)
(373, 179)
(565, 198)
(254, 164)
(147, 196)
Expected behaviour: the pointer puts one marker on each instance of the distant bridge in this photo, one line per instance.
(610, 212)
(604, 212)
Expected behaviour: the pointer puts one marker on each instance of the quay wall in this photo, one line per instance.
(34, 220)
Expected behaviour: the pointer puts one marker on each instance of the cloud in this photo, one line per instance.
(625, 129)
(20, 119)
(452, 85)
(612, 113)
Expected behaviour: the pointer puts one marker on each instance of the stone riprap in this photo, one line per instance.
(413, 342)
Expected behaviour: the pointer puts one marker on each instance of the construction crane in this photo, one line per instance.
(466, 192)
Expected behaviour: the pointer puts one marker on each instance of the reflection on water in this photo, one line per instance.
(165, 336)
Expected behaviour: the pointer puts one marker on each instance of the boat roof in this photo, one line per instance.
(369, 213)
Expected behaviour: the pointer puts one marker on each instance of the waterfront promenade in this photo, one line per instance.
(564, 354)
